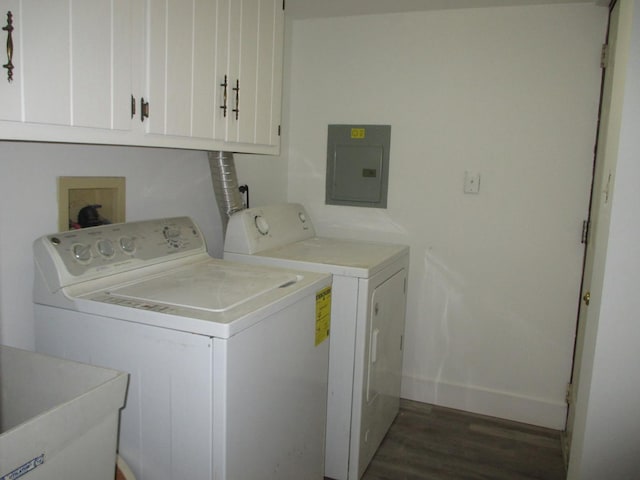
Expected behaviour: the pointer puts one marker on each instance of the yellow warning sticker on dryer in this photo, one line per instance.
(323, 315)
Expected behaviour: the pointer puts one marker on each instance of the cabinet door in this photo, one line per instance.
(222, 107)
(101, 83)
(181, 63)
(46, 61)
(255, 69)
(207, 22)
(269, 74)
(72, 63)
(229, 50)
(168, 54)
(10, 86)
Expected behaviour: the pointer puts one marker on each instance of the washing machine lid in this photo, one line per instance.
(213, 286)
(336, 256)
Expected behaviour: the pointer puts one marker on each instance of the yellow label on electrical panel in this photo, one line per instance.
(357, 133)
(323, 315)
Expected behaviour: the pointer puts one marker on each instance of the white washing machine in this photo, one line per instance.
(228, 362)
(367, 322)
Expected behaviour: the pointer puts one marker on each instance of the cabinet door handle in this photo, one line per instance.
(9, 29)
(133, 106)
(144, 109)
(224, 97)
(237, 90)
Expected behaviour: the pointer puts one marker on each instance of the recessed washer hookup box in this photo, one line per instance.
(58, 418)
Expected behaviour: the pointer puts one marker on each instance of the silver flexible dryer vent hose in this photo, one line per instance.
(225, 185)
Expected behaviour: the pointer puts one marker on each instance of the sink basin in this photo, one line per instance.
(58, 418)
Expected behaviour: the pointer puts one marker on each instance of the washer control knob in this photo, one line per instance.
(128, 245)
(81, 252)
(261, 224)
(302, 217)
(105, 248)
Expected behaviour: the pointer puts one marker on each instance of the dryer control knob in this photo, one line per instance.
(302, 217)
(262, 225)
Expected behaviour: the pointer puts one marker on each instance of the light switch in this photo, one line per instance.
(471, 182)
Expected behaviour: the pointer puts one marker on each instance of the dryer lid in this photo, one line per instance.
(339, 257)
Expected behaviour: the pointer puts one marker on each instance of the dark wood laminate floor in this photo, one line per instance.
(428, 442)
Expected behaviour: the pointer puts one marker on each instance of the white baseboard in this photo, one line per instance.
(495, 403)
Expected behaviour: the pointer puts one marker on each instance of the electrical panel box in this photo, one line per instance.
(358, 165)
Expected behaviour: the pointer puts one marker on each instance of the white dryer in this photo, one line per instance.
(228, 373)
(367, 322)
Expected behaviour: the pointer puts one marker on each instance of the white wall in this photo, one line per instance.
(510, 92)
(606, 441)
(266, 176)
(159, 183)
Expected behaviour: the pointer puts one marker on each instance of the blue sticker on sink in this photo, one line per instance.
(24, 469)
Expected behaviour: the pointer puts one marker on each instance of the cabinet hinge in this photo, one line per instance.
(569, 394)
(585, 232)
(604, 56)
(144, 109)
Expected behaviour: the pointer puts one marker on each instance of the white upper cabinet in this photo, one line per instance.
(72, 63)
(201, 74)
(213, 71)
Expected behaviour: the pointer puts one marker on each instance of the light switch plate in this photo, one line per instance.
(471, 182)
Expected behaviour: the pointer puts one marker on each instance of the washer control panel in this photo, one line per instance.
(108, 249)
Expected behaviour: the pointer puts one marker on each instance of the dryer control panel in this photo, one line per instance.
(90, 253)
(258, 229)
